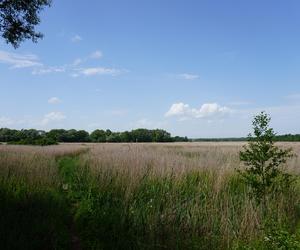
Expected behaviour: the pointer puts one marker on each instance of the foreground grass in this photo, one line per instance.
(32, 219)
(106, 201)
(34, 212)
(185, 213)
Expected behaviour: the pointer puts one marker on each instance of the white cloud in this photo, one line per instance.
(28, 61)
(186, 76)
(96, 55)
(207, 110)
(178, 109)
(52, 117)
(99, 71)
(54, 100)
(76, 39)
(19, 60)
(47, 70)
(38, 68)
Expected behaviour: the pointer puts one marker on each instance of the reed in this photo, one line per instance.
(139, 196)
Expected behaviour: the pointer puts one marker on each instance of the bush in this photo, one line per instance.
(264, 160)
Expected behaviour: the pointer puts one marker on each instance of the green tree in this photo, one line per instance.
(108, 132)
(125, 136)
(57, 134)
(18, 19)
(7, 135)
(141, 135)
(98, 135)
(160, 135)
(263, 159)
(82, 136)
(113, 137)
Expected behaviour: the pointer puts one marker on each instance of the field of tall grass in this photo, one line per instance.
(140, 196)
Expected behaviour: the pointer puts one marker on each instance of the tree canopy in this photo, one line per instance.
(18, 19)
(40, 137)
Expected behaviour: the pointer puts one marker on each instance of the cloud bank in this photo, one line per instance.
(207, 110)
(19, 60)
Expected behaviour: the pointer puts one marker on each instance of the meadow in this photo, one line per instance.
(140, 196)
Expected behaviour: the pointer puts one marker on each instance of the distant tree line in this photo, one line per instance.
(286, 137)
(54, 136)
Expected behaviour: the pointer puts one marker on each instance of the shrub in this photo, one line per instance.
(263, 159)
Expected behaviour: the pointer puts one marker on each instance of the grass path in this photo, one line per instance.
(68, 169)
(33, 216)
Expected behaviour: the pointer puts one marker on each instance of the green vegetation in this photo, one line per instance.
(287, 137)
(26, 137)
(33, 212)
(40, 137)
(264, 160)
(150, 196)
(32, 218)
(43, 141)
(268, 181)
(19, 18)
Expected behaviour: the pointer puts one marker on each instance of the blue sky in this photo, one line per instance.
(195, 68)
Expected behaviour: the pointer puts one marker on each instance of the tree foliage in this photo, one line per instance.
(32, 136)
(26, 137)
(263, 158)
(18, 19)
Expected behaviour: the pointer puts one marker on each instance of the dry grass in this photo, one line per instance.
(154, 196)
(190, 185)
(33, 164)
(177, 158)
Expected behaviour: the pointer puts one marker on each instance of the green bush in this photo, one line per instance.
(263, 160)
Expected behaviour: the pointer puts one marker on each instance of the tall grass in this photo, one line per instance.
(139, 196)
(33, 213)
(175, 197)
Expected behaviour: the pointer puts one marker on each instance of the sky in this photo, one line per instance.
(194, 68)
